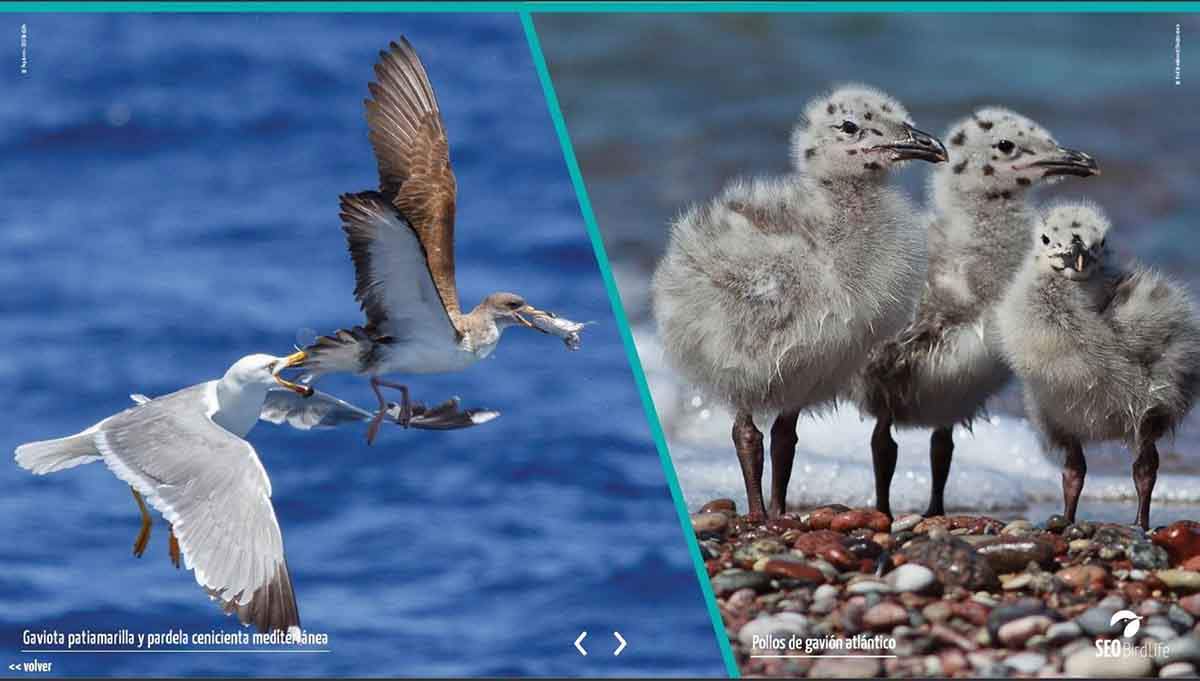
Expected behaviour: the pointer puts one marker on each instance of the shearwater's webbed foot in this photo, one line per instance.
(143, 535)
(445, 416)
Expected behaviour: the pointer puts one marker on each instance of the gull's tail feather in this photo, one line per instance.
(49, 456)
(345, 351)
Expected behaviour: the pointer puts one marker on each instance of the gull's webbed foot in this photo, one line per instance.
(173, 549)
(143, 535)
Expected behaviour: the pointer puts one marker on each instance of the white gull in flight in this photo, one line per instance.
(185, 454)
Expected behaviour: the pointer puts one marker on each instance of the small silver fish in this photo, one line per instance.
(559, 326)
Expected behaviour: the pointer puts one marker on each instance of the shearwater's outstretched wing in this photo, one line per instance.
(211, 487)
(409, 140)
(392, 282)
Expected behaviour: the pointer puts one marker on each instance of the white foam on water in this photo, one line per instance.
(998, 465)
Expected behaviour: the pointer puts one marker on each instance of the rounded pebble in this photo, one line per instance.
(783, 625)
(1026, 663)
(710, 524)
(1181, 581)
(1087, 662)
(1177, 670)
(885, 616)
(911, 578)
(905, 522)
(1015, 633)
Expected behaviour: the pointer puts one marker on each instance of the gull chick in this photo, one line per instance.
(1104, 352)
(401, 239)
(185, 454)
(939, 371)
(771, 294)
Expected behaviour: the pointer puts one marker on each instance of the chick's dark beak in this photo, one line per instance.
(1080, 257)
(917, 145)
(288, 362)
(1068, 162)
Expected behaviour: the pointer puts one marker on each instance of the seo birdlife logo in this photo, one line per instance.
(1133, 622)
(1128, 623)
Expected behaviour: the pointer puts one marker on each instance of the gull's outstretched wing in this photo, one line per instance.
(211, 487)
(323, 410)
(409, 140)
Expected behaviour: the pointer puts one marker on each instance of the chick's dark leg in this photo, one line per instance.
(883, 456)
(783, 453)
(1145, 473)
(143, 535)
(405, 407)
(941, 451)
(1074, 471)
(748, 442)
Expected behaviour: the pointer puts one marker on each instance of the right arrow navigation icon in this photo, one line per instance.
(622, 642)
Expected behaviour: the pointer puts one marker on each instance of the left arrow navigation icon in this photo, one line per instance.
(579, 644)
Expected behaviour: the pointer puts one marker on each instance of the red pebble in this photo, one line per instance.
(1191, 604)
(1136, 592)
(782, 525)
(719, 506)
(820, 518)
(954, 661)
(973, 611)
(1089, 577)
(1181, 540)
(858, 519)
(793, 570)
(826, 544)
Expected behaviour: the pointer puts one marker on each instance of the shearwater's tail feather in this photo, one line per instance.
(49, 456)
(345, 351)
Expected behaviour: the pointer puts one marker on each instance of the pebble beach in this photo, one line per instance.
(834, 591)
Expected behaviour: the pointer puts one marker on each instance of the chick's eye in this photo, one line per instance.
(516, 305)
(848, 127)
(1006, 146)
(1045, 240)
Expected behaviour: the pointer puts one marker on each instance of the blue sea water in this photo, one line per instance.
(170, 204)
(702, 99)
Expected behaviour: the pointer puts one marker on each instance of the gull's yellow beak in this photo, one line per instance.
(288, 362)
(530, 310)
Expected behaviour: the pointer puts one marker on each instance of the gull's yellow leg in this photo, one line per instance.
(143, 537)
(173, 547)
